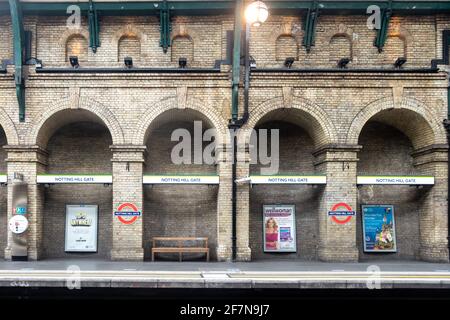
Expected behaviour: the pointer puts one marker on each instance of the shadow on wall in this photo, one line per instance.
(77, 148)
(177, 210)
(296, 157)
(387, 151)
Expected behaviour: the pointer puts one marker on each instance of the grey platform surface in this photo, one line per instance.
(239, 275)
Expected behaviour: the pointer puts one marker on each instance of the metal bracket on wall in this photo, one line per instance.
(165, 26)
(382, 33)
(310, 26)
(19, 53)
(94, 29)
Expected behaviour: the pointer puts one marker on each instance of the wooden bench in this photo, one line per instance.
(180, 247)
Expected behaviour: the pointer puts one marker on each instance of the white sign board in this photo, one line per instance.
(181, 179)
(3, 178)
(55, 178)
(288, 179)
(395, 180)
(18, 224)
(81, 228)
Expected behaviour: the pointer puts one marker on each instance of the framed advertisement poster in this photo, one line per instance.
(379, 228)
(279, 228)
(81, 228)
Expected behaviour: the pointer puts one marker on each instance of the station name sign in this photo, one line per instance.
(395, 180)
(288, 179)
(181, 180)
(80, 179)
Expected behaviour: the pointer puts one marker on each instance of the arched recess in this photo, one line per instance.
(77, 141)
(76, 110)
(301, 112)
(411, 117)
(286, 46)
(340, 47)
(302, 128)
(208, 113)
(392, 141)
(129, 41)
(182, 47)
(194, 212)
(396, 47)
(75, 43)
(129, 46)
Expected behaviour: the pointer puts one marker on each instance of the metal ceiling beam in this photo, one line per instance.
(165, 27)
(382, 33)
(221, 7)
(312, 17)
(19, 54)
(94, 28)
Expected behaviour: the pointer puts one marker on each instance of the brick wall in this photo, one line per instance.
(177, 210)
(387, 151)
(296, 149)
(331, 108)
(77, 148)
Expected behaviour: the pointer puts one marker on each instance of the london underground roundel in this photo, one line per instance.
(341, 213)
(127, 213)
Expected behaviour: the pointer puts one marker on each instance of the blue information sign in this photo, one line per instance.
(379, 228)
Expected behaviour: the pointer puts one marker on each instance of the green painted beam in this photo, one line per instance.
(165, 27)
(19, 54)
(221, 7)
(238, 21)
(312, 17)
(94, 27)
(131, 8)
(382, 33)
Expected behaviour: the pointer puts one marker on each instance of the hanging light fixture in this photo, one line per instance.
(256, 13)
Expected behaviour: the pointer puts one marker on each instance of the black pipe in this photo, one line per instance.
(236, 125)
(128, 70)
(447, 128)
(337, 70)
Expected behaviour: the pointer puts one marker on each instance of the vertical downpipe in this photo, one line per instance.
(234, 122)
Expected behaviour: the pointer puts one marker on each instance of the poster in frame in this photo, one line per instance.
(379, 234)
(279, 231)
(81, 230)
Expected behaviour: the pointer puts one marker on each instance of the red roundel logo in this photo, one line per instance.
(341, 213)
(127, 213)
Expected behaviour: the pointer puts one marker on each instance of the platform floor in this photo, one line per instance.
(239, 275)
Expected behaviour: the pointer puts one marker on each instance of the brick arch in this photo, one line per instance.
(12, 138)
(69, 33)
(171, 103)
(181, 30)
(349, 41)
(411, 117)
(286, 28)
(315, 120)
(128, 31)
(41, 130)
